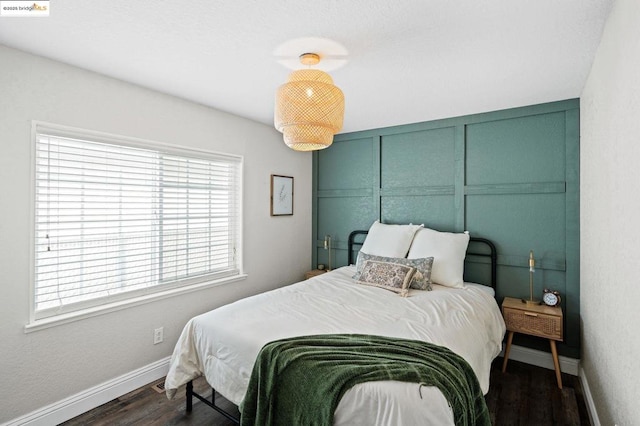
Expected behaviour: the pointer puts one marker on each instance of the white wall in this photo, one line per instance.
(46, 366)
(610, 231)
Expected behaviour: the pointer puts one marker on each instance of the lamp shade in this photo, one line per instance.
(309, 110)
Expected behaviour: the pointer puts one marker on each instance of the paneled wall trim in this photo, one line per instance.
(511, 176)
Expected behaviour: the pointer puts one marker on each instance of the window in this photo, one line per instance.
(118, 219)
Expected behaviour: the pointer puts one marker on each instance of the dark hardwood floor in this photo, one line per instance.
(528, 395)
(523, 395)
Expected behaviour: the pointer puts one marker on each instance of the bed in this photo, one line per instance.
(222, 345)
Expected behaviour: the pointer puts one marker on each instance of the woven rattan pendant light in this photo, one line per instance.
(309, 109)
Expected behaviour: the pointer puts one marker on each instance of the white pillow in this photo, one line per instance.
(389, 240)
(448, 251)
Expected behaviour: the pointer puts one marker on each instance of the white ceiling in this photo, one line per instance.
(406, 60)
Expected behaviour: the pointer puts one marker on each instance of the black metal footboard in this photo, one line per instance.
(191, 393)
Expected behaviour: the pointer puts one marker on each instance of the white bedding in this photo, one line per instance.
(223, 344)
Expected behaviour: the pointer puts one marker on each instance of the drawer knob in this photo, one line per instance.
(531, 314)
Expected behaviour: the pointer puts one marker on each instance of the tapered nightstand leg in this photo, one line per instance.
(506, 351)
(556, 364)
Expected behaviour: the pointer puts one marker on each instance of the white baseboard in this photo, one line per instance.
(588, 399)
(543, 359)
(89, 399)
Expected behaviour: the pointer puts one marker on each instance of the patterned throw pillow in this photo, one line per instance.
(390, 276)
(421, 279)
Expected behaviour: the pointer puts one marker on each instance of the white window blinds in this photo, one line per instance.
(116, 219)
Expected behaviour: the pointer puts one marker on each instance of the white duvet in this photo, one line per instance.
(223, 344)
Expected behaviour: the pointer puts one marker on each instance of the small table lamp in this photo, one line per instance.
(327, 246)
(532, 269)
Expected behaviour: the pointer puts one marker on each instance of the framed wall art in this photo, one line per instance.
(281, 195)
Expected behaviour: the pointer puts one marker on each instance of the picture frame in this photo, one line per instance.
(281, 195)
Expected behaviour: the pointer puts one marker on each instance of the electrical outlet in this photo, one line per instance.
(158, 335)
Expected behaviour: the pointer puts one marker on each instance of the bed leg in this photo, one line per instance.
(189, 396)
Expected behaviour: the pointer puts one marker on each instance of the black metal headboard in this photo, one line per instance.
(492, 254)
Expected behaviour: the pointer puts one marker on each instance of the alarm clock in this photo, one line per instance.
(550, 297)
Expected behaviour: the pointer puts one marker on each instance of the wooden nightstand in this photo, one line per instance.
(535, 320)
(313, 273)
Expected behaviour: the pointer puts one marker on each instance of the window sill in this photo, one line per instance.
(41, 324)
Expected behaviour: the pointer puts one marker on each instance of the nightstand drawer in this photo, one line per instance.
(534, 323)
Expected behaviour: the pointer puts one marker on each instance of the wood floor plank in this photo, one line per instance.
(524, 395)
(540, 389)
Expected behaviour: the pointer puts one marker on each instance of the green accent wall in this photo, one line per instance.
(511, 176)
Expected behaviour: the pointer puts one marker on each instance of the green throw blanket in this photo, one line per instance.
(300, 381)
